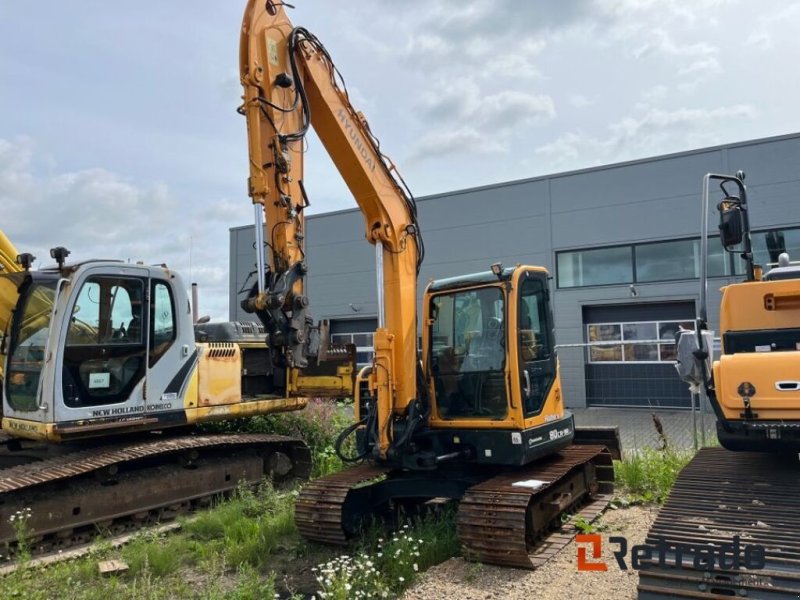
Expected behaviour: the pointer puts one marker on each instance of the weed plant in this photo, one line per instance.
(647, 475)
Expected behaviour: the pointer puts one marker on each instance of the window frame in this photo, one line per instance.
(621, 324)
(632, 246)
(152, 356)
(608, 247)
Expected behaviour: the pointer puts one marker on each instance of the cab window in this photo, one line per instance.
(104, 357)
(163, 331)
(536, 355)
(468, 350)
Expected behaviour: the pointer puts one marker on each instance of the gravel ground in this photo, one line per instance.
(558, 579)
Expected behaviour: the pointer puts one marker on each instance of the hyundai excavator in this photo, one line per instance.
(479, 416)
(106, 373)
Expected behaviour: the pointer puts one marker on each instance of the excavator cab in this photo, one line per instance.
(93, 342)
(492, 366)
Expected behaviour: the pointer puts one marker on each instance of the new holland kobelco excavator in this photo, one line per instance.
(105, 373)
(479, 416)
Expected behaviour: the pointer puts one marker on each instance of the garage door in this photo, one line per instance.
(636, 366)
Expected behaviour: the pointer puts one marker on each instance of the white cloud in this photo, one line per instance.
(655, 131)
(464, 140)
(661, 41)
(702, 66)
(99, 214)
(580, 101)
(464, 115)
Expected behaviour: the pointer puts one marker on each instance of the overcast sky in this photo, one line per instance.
(119, 138)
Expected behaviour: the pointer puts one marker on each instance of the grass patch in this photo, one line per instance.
(647, 475)
(318, 425)
(226, 549)
(385, 565)
(245, 530)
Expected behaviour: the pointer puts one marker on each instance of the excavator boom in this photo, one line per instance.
(291, 83)
(483, 407)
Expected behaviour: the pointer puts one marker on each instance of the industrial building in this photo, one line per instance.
(621, 242)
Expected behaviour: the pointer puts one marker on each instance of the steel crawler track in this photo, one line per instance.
(497, 522)
(719, 495)
(73, 497)
(501, 524)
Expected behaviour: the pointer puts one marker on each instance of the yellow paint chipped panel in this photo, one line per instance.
(244, 409)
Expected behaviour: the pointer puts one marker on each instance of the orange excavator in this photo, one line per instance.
(478, 416)
(106, 373)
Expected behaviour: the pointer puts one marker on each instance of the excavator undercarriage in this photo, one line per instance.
(67, 495)
(510, 516)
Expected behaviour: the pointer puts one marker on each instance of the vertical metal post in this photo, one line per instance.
(260, 261)
(379, 270)
(704, 257)
(195, 301)
(703, 401)
(694, 419)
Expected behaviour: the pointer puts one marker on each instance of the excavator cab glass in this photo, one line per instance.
(468, 353)
(30, 329)
(104, 357)
(535, 331)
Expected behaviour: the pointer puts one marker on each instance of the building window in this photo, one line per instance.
(656, 261)
(667, 260)
(365, 348)
(681, 259)
(602, 266)
(647, 341)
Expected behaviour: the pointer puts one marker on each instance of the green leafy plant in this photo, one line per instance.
(22, 534)
(647, 475)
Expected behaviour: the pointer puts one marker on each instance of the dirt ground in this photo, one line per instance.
(558, 579)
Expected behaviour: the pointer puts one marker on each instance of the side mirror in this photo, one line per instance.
(731, 223)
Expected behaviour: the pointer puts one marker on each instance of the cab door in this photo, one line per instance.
(171, 351)
(105, 352)
(535, 340)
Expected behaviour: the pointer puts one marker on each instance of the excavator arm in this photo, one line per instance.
(290, 84)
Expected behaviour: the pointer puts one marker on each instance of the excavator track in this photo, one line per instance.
(498, 522)
(71, 498)
(319, 511)
(515, 526)
(719, 495)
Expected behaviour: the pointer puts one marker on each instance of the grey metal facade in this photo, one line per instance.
(530, 221)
